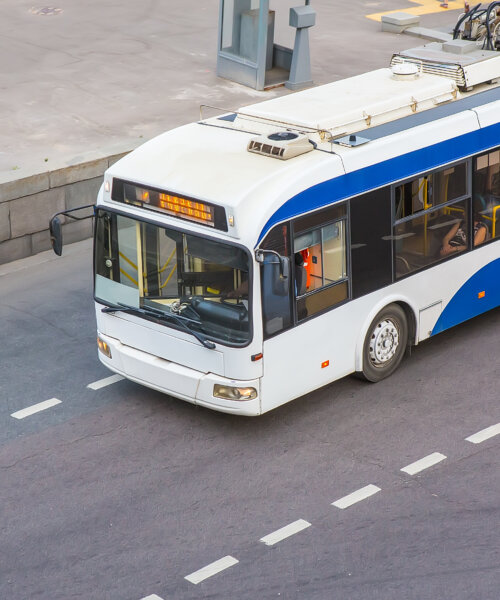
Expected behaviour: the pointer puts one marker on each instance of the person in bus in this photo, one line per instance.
(300, 274)
(456, 238)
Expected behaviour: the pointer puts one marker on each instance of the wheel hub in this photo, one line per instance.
(384, 342)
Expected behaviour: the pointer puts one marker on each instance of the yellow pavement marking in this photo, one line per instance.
(425, 7)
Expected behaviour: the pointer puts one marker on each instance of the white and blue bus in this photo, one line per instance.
(247, 259)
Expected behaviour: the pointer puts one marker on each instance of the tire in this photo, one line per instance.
(385, 343)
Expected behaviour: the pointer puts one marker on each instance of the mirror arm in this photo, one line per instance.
(70, 210)
(259, 257)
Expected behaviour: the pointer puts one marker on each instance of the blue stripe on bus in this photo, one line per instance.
(384, 173)
(469, 301)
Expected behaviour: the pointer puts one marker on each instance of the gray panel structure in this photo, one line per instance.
(301, 18)
(247, 52)
(250, 33)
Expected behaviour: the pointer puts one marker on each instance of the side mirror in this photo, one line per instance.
(276, 272)
(56, 239)
(55, 225)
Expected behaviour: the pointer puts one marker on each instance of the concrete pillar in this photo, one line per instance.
(301, 17)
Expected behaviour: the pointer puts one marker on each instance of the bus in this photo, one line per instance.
(255, 255)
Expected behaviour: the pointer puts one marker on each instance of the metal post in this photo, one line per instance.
(301, 17)
(262, 45)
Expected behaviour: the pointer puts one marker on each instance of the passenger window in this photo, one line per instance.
(320, 269)
(486, 192)
(428, 238)
(428, 191)
(431, 218)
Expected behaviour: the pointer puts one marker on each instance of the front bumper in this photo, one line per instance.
(177, 380)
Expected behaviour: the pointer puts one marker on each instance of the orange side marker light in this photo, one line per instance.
(481, 294)
(325, 364)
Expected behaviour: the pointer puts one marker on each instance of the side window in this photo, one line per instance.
(276, 297)
(431, 218)
(371, 241)
(320, 261)
(486, 193)
(431, 190)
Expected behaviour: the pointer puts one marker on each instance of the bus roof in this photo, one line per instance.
(353, 104)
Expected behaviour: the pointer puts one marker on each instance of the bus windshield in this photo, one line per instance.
(188, 282)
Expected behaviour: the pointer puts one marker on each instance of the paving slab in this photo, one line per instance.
(80, 81)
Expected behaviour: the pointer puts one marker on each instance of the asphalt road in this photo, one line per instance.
(121, 493)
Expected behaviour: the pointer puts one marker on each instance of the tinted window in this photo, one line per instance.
(277, 240)
(318, 218)
(371, 252)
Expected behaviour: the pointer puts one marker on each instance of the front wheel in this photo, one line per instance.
(385, 343)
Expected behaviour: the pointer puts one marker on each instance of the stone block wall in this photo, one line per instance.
(28, 203)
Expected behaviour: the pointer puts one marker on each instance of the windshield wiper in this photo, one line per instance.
(181, 321)
(158, 314)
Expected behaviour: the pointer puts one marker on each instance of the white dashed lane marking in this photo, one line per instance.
(31, 410)
(484, 434)
(299, 525)
(356, 496)
(424, 463)
(97, 385)
(285, 532)
(211, 569)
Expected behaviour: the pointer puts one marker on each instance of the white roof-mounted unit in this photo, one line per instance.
(281, 144)
(460, 60)
(343, 107)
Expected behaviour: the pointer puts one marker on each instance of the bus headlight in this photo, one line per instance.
(103, 347)
(234, 393)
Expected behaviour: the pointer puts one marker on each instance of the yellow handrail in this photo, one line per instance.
(449, 209)
(493, 219)
(128, 276)
(168, 278)
(133, 265)
(168, 261)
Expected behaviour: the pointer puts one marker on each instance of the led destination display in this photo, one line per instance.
(171, 204)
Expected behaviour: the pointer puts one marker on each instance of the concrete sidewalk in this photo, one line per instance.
(84, 82)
